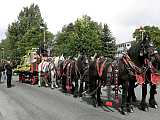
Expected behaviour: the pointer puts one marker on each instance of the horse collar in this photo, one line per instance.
(101, 68)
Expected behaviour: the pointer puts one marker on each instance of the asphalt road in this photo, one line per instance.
(27, 102)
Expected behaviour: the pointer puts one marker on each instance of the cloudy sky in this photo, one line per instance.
(122, 16)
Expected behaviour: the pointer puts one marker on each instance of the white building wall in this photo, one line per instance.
(121, 48)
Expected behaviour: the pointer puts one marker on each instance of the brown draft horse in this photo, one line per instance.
(73, 71)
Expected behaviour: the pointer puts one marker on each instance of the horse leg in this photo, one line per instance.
(130, 91)
(134, 98)
(56, 81)
(0, 76)
(92, 87)
(152, 101)
(52, 80)
(99, 101)
(39, 80)
(75, 94)
(124, 98)
(81, 88)
(64, 84)
(143, 104)
(46, 81)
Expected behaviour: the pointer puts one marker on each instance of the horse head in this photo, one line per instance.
(143, 50)
(148, 50)
(82, 63)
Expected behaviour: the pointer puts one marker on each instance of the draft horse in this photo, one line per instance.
(145, 56)
(129, 67)
(73, 72)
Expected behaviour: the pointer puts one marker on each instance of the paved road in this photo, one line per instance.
(27, 102)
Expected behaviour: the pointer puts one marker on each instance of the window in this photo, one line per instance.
(128, 44)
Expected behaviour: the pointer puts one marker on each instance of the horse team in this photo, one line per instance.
(86, 76)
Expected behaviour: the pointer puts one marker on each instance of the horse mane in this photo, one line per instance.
(134, 53)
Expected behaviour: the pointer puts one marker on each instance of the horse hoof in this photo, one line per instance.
(75, 96)
(131, 111)
(156, 106)
(80, 95)
(124, 113)
(145, 109)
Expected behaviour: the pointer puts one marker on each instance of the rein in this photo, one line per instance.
(138, 72)
(141, 74)
(131, 65)
(101, 68)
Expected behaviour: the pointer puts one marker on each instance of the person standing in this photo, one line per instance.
(1, 70)
(0, 75)
(8, 73)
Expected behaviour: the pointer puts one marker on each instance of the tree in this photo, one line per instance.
(108, 42)
(63, 41)
(83, 36)
(88, 36)
(26, 32)
(153, 31)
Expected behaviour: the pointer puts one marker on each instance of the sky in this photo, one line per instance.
(122, 16)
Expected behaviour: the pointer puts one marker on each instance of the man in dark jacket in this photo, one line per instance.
(1, 70)
(9, 73)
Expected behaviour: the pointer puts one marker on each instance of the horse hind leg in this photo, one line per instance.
(81, 88)
(99, 101)
(52, 84)
(56, 84)
(124, 99)
(152, 101)
(53, 81)
(143, 104)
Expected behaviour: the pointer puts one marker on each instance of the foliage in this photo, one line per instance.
(108, 42)
(84, 36)
(25, 33)
(154, 34)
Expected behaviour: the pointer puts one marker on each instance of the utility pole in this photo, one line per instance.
(44, 36)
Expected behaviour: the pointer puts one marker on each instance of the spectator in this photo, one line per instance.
(8, 73)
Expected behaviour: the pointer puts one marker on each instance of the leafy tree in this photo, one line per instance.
(26, 32)
(108, 42)
(152, 30)
(62, 41)
(88, 36)
(83, 36)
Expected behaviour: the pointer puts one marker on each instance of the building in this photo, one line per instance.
(122, 48)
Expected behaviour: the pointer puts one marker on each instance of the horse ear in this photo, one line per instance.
(79, 55)
(95, 55)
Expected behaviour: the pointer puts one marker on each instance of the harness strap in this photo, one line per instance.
(116, 84)
(69, 82)
(101, 68)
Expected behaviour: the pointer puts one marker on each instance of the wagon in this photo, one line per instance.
(28, 69)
